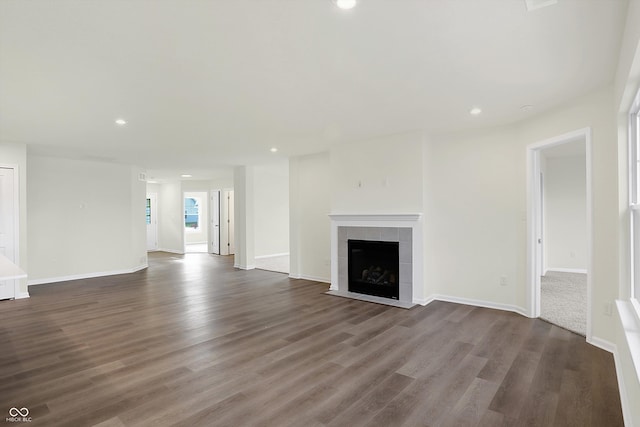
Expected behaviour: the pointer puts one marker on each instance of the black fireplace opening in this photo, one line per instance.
(374, 268)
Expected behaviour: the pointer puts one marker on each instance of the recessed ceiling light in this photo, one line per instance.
(274, 150)
(475, 111)
(186, 175)
(121, 122)
(345, 4)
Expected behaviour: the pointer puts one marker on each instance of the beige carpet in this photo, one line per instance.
(563, 300)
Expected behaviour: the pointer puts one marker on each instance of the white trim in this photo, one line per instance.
(479, 303)
(244, 267)
(566, 270)
(36, 282)
(271, 256)
(631, 329)
(312, 278)
(23, 295)
(16, 221)
(533, 168)
(622, 387)
(602, 344)
(376, 217)
(171, 251)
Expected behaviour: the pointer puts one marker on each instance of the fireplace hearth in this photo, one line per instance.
(374, 268)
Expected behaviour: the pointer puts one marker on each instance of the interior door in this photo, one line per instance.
(7, 227)
(152, 222)
(215, 222)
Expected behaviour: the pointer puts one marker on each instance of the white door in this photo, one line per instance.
(152, 221)
(7, 227)
(230, 223)
(215, 222)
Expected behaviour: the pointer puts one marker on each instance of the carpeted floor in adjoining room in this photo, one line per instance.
(563, 300)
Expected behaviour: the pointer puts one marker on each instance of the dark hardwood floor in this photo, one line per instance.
(193, 342)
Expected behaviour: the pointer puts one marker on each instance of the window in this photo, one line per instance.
(192, 213)
(634, 196)
(148, 211)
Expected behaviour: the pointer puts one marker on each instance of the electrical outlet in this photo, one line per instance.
(503, 280)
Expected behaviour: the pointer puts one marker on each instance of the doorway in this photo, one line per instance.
(559, 231)
(8, 226)
(196, 220)
(151, 214)
(214, 237)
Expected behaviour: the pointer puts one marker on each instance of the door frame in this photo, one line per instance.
(154, 219)
(16, 226)
(534, 215)
(213, 228)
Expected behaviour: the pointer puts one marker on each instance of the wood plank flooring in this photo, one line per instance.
(193, 342)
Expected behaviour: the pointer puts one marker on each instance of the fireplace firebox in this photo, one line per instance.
(374, 268)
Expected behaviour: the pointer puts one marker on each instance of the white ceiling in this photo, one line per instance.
(210, 82)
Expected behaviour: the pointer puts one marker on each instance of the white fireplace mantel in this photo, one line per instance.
(351, 218)
(412, 221)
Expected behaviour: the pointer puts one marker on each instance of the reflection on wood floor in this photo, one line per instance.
(192, 341)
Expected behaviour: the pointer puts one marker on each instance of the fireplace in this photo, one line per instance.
(374, 268)
(404, 231)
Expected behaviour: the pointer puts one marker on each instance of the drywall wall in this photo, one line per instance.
(382, 175)
(309, 207)
(16, 155)
(476, 207)
(83, 219)
(170, 218)
(475, 216)
(244, 214)
(565, 213)
(271, 204)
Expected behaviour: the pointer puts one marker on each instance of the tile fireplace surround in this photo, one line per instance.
(403, 228)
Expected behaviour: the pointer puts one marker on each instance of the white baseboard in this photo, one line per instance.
(477, 303)
(603, 344)
(624, 398)
(23, 295)
(85, 276)
(566, 270)
(272, 255)
(312, 278)
(171, 251)
(244, 267)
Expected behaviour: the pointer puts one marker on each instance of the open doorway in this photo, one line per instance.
(559, 201)
(196, 222)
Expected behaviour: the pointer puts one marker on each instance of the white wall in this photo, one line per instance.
(244, 214)
(475, 216)
(170, 217)
(85, 218)
(16, 155)
(310, 228)
(382, 175)
(271, 204)
(476, 203)
(565, 213)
